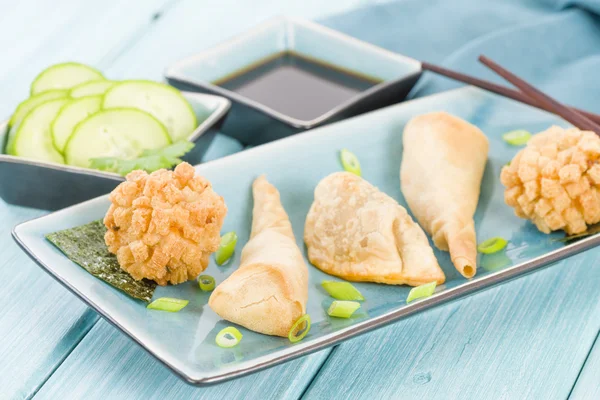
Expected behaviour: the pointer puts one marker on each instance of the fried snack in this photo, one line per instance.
(165, 225)
(268, 292)
(358, 233)
(554, 181)
(442, 166)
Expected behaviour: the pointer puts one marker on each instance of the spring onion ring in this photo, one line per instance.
(519, 137)
(350, 162)
(206, 283)
(228, 337)
(226, 247)
(422, 291)
(342, 290)
(299, 329)
(167, 304)
(343, 309)
(492, 245)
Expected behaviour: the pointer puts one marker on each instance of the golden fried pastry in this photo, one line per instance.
(554, 181)
(165, 225)
(358, 233)
(268, 292)
(442, 166)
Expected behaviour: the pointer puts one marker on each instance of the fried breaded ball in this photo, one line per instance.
(554, 181)
(163, 226)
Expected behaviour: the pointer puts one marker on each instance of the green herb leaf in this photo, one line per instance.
(492, 245)
(148, 160)
(519, 137)
(85, 246)
(299, 329)
(343, 309)
(420, 292)
(206, 283)
(226, 247)
(228, 337)
(169, 304)
(342, 290)
(350, 162)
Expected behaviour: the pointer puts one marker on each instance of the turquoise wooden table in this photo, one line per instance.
(536, 337)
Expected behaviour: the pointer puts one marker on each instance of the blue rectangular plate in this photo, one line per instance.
(185, 341)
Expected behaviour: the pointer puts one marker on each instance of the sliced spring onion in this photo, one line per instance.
(342, 290)
(228, 337)
(206, 283)
(422, 291)
(226, 248)
(300, 329)
(492, 245)
(518, 137)
(168, 304)
(343, 309)
(350, 162)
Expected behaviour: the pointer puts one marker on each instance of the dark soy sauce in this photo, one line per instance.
(297, 86)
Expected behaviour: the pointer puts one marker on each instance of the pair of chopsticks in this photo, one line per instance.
(528, 94)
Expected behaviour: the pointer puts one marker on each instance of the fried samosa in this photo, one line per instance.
(358, 233)
(268, 292)
(442, 166)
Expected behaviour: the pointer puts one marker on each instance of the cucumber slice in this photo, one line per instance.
(162, 101)
(91, 88)
(23, 108)
(64, 76)
(121, 133)
(33, 138)
(70, 115)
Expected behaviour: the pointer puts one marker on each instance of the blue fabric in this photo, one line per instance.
(554, 44)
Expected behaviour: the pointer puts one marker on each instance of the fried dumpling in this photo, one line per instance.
(442, 166)
(268, 292)
(358, 233)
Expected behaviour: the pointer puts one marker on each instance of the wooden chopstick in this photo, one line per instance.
(498, 89)
(556, 107)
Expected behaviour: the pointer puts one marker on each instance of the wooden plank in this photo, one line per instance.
(41, 322)
(107, 365)
(526, 339)
(37, 33)
(587, 386)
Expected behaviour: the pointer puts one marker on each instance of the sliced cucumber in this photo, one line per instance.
(64, 76)
(33, 138)
(91, 88)
(122, 133)
(70, 115)
(163, 101)
(23, 109)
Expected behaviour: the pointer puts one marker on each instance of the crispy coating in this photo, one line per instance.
(554, 181)
(163, 226)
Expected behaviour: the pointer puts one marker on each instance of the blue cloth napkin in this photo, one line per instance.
(554, 44)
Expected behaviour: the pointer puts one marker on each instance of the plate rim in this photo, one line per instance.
(304, 348)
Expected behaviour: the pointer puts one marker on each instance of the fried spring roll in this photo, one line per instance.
(268, 292)
(442, 167)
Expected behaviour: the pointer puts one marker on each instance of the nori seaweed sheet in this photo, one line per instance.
(85, 246)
